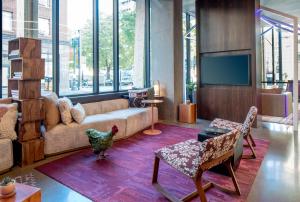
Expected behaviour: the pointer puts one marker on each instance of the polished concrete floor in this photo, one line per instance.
(277, 179)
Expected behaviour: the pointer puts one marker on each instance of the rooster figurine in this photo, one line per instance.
(101, 141)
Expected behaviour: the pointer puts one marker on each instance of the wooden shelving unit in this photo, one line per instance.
(24, 86)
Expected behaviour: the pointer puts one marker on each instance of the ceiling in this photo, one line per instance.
(291, 7)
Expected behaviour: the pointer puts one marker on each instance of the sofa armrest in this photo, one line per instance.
(279, 105)
(6, 155)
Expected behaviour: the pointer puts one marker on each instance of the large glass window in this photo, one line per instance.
(131, 43)
(44, 26)
(76, 47)
(277, 50)
(14, 16)
(45, 3)
(45, 34)
(7, 20)
(106, 71)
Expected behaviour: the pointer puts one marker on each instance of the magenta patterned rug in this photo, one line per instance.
(126, 175)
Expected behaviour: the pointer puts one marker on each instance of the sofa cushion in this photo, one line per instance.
(105, 106)
(67, 137)
(136, 96)
(78, 113)
(6, 154)
(65, 105)
(137, 118)
(52, 115)
(8, 120)
(92, 108)
(113, 105)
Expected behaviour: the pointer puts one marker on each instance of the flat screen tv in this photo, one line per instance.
(226, 70)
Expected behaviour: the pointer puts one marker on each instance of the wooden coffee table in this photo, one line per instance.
(25, 193)
(152, 131)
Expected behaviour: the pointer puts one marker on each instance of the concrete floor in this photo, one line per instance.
(277, 179)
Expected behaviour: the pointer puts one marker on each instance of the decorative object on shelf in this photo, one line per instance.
(7, 187)
(156, 86)
(27, 68)
(101, 141)
(191, 88)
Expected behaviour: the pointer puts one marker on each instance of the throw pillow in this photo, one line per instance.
(8, 120)
(136, 97)
(150, 93)
(78, 113)
(65, 105)
(52, 115)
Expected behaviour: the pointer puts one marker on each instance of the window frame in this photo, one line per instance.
(96, 94)
(47, 5)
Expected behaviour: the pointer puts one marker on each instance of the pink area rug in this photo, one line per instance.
(126, 175)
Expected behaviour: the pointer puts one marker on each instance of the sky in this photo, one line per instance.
(80, 11)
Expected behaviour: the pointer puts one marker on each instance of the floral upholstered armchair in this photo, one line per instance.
(245, 127)
(193, 158)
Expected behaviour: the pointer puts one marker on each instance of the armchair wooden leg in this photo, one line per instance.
(200, 190)
(252, 140)
(251, 148)
(235, 183)
(155, 170)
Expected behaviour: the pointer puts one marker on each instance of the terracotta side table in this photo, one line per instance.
(152, 131)
(25, 193)
(188, 113)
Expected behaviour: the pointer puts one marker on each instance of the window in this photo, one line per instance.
(120, 52)
(45, 34)
(7, 19)
(131, 44)
(8, 33)
(76, 47)
(44, 26)
(45, 3)
(106, 69)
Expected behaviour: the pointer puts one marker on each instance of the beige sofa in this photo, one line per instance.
(276, 103)
(6, 148)
(101, 116)
(6, 155)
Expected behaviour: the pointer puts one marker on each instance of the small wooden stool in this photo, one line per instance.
(188, 113)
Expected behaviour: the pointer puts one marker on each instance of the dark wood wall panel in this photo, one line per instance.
(225, 102)
(227, 27)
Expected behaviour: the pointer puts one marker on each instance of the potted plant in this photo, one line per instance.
(7, 186)
(191, 91)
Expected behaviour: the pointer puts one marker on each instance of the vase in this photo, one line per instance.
(7, 189)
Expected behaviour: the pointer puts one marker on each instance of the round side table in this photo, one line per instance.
(152, 131)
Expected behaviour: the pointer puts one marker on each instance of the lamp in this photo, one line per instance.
(156, 86)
